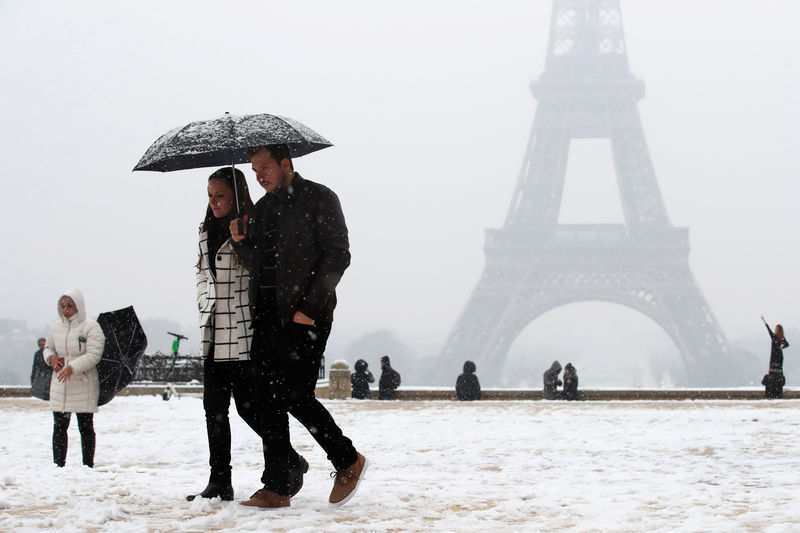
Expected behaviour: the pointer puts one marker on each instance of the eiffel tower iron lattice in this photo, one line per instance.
(534, 264)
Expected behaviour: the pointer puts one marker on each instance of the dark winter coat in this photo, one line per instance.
(311, 247)
(360, 379)
(551, 382)
(468, 388)
(570, 391)
(41, 374)
(776, 350)
(390, 380)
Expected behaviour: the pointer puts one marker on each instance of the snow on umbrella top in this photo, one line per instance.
(225, 140)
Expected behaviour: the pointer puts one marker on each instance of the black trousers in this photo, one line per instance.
(270, 420)
(247, 382)
(60, 439)
(221, 380)
(301, 348)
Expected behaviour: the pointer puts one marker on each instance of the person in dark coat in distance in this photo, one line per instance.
(570, 391)
(390, 380)
(468, 388)
(360, 379)
(774, 380)
(551, 382)
(41, 373)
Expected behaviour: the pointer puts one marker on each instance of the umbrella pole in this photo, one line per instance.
(239, 222)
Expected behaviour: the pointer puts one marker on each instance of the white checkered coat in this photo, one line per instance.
(223, 304)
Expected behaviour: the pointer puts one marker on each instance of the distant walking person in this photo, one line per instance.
(551, 382)
(41, 373)
(468, 388)
(73, 348)
(774, 380)
(360, 379)
(570, 391)
(390, 380)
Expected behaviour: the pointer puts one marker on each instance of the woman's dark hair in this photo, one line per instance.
(231, 175)
(239, 187)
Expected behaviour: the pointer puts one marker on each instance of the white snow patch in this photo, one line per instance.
(435, 466)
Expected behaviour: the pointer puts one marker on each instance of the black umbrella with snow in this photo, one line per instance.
(125, 344)
(225, 140)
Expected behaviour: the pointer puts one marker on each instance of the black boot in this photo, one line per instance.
(296, 476)
(218, 487)
(215, 490)
(87, 439)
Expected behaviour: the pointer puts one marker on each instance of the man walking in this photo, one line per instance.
(297, 249)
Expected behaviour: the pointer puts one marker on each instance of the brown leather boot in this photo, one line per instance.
(346, 481)
(267, 499)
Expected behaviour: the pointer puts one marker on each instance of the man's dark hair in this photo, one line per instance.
(279, 152)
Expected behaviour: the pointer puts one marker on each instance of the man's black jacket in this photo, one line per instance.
(311, 246)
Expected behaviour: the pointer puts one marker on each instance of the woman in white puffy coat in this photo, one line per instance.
(73, 348)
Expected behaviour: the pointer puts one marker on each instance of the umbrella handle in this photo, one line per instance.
(240, 224)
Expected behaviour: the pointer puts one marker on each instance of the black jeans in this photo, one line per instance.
(86, 429)
(221, 380)
(272, 418)
(301, 348)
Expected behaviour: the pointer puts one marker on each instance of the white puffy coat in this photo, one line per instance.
(80, 341)
(224, 304)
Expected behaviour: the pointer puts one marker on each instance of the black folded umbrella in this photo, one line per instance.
(40, 380)
(125, 344)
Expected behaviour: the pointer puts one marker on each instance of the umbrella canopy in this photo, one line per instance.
(125, 344)
(225, 140)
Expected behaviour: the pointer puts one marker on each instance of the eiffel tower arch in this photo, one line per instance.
(534, 264)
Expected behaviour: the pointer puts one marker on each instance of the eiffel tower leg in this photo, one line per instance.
(481, 334)
(703, 346)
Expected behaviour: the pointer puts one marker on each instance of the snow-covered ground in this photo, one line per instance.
(436, 466)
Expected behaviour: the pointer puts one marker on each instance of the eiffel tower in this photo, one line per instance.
(534, 264)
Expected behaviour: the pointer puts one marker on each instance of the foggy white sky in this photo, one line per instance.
(429, 108)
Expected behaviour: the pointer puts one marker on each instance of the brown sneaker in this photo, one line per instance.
(268, 499)
(346, 481)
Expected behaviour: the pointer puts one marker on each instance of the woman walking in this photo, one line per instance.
(223, 303)
(73, 347)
